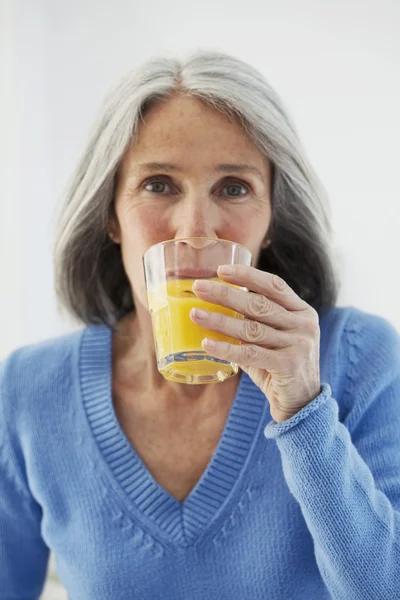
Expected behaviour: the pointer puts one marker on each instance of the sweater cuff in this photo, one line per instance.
(274, 429)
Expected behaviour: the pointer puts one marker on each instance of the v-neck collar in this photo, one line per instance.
(183, 521)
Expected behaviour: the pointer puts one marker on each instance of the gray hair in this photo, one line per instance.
(90, 280)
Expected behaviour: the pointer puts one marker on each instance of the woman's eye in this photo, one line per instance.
(232, 187)
(157, 181)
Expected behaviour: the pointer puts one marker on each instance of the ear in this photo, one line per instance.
(265, 244)
(113, 231)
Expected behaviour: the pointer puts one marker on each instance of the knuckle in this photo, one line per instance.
(259, 305)
(253, 330)
(314, 317)
(279, 283)
(250, 353)
(312, 321)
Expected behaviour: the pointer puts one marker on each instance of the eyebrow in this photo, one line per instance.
(222, 168)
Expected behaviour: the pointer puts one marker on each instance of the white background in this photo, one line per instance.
(335, 65)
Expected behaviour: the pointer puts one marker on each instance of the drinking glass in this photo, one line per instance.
(171, 268)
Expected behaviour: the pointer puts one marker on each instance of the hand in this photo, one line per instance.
(280, 336)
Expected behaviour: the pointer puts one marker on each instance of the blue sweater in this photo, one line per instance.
(305, 509)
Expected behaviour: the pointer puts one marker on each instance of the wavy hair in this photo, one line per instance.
(90, 281)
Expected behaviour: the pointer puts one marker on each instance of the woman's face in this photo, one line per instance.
(195, 197)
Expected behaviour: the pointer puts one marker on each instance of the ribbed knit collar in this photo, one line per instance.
(184, 521)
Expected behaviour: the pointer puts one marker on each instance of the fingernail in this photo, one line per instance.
(202, 285)
(226, 269)
(199, 313)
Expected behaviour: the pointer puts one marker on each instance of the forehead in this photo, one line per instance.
(184, 130)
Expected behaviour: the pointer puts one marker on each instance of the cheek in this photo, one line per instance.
(133, 266)
(250, 227)
(250, 230)
(149, 225)
(141, 229)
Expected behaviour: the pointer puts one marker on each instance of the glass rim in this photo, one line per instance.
(198, 237)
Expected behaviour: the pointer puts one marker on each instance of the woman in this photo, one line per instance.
(281, 482)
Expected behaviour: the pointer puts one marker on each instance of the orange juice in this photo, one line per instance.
(180, 356)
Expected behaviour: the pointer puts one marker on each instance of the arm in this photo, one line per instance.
(346, 477)
(23, 553)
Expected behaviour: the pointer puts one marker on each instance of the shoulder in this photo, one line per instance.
(27, 371)
(348, 325)
(365, 335)
(365, 363)
(36, 359)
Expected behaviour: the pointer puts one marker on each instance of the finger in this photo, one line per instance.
(267, 284)
(245, 330)
(247, 355)
(253, 306)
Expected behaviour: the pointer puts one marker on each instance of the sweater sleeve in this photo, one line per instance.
(23, 553)
(346, 476)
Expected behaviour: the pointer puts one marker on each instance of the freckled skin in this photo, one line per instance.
(194, 201)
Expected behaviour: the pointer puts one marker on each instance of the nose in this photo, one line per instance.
(196, 216)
